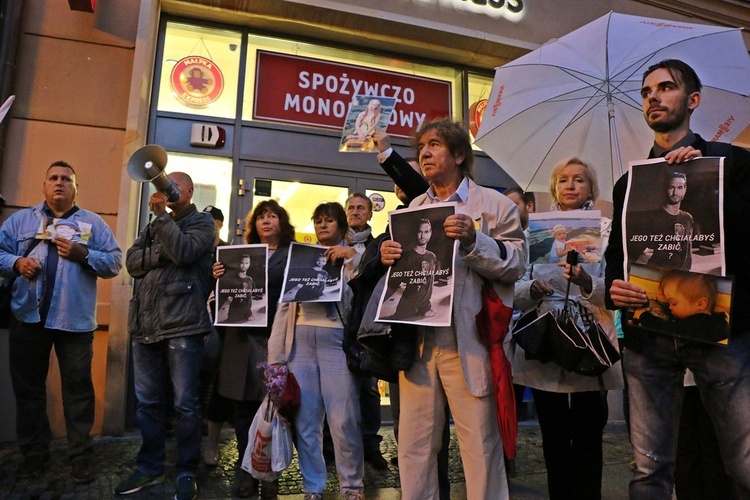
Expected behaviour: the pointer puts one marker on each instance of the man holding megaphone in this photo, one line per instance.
(171, 261)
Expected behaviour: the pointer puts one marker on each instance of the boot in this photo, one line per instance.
(245, 485)
(269, 490)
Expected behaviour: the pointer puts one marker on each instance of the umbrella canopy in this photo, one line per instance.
(492, 324)
(580, 96)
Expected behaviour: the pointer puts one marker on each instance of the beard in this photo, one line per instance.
(671, 120)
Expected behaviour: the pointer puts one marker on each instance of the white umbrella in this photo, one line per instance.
(580, 96)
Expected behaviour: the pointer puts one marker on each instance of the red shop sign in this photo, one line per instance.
(307, 91)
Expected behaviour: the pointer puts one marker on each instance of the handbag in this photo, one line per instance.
(257, 457)
(281, 444)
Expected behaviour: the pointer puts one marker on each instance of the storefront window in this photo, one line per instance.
(324, 80)
(480, 87)
(200, 71)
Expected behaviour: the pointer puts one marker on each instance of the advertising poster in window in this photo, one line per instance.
(366, 115)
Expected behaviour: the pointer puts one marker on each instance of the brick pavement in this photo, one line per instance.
(114, 458)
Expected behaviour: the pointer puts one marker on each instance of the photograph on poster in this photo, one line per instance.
(69, 229)
(419, 286)
(673, 216)
(684, 304)
(553, 234)
(310, 277)
(241, 294)
(366, 115)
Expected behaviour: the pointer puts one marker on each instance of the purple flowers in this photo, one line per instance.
(275, 378)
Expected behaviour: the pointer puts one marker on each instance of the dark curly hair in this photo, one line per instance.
(251, 231)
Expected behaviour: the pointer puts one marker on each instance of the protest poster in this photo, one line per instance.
(366, 115)
(673, 215)
(309, 277)
(553, 234)
(69, 229)
(241, 293)
(419, 286)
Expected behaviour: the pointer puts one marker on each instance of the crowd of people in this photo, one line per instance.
(448, 374)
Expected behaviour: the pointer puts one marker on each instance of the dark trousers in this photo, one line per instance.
(30, 346)
(243, 413)
(699, 470)
(572, 427)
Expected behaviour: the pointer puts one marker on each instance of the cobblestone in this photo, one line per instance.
(114, 458)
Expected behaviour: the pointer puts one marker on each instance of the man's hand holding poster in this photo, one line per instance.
(674, 248)
(241, 293)
(419, 286)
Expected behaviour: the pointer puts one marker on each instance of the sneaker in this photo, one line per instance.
(313, 496)
(82, 470)
(32, 466)
(375, 459)
(136, 482)
(187, 488)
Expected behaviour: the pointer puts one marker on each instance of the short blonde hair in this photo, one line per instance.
(559, 228)
(590, 174)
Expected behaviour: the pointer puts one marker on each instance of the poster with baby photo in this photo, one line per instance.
(553, 234)
(241, 293)
(310, 277)
(366, 115)
(691, 306)
(69, 229)
(419, 285)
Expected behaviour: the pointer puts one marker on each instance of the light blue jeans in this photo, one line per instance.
(327, 387)
(177, 360)
(655, 388)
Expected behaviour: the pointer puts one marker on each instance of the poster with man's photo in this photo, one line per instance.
(553, 234)
(419, 286)
(366, 115)
(691, 306)
(310, 277)
(673, 216)
(241, 292)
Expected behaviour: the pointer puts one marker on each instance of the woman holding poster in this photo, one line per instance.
(243, 348)
(309, 339)
(572, 408)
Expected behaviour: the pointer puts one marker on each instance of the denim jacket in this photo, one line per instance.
(73, 306)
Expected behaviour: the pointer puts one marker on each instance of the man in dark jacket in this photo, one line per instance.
(653, 363)
(171, 261)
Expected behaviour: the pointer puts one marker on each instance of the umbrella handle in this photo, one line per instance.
(572, 259)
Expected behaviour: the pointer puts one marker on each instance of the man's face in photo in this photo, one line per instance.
(245, 264)
(424, 234)
(676, 190)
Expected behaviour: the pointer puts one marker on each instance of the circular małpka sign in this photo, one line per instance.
(197, 81)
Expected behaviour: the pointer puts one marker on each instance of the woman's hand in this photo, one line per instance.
(340, 252)
(540, 288)
(578, 276)
(390, 252)
(217, 270)
(624, 294)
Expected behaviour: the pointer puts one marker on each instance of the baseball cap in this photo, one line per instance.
(215, 212)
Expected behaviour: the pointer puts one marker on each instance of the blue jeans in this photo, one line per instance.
(655, 390)
(327, 388)
(30, 345)
(179, 360)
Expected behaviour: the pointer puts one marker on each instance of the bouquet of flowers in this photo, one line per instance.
(282, 388)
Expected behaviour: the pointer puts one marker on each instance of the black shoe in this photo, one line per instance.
(269, 490)
(82, 470)
(32, 466)
(187, 488)
(245, 485)
(375, 459)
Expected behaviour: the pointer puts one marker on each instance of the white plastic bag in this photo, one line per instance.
(257, 457)
(281, 444)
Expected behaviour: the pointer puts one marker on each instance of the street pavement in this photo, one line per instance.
(114, 457)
